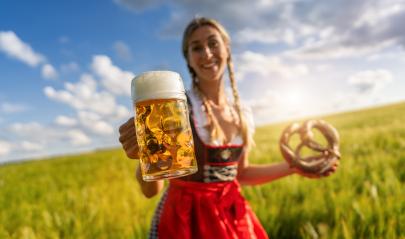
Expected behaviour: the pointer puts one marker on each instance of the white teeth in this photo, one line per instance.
(209, 65)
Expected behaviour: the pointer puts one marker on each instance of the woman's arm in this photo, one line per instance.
(130, 145)
(260, 174)
(149, 189)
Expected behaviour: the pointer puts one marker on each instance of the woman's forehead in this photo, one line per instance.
(203, 33)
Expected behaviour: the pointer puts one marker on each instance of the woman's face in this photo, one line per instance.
(207, 53)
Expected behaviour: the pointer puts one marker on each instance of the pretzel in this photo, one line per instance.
(316, 164)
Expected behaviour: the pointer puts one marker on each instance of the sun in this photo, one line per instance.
(294, 99)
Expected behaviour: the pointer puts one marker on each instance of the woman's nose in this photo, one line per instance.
(207, 52)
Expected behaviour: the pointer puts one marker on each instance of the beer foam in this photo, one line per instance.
(157, 85)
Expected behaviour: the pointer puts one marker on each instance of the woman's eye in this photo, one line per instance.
(196, 48)
(213, 44)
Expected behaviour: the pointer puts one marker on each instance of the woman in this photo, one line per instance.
(209, 204)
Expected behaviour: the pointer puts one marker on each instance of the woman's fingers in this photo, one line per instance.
(128, 138)
(127, 126)
(133, 153)
(329, 172)
(130, 142)
(332, 169)
(127, 130)
(130, 145)
(127, 135)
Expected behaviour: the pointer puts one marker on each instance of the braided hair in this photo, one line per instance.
(215, 130)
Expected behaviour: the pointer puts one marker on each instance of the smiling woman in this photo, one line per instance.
(207, 54)
(209, 203)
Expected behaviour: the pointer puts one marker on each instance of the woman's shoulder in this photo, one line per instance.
(192, 98)
(197, 107)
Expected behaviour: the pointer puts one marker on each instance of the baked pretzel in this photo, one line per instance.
(316, 164)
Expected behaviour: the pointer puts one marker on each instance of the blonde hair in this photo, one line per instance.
(215, 130)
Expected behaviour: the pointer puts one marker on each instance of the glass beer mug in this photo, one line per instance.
(163, 131)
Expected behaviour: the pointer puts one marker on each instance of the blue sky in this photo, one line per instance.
(66, 66)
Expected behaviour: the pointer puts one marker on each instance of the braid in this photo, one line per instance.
(245, 129)
(215, 131)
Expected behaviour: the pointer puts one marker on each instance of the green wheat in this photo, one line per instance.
(95, 195)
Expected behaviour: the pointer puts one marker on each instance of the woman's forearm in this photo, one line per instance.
(149, 189)
(259, 174)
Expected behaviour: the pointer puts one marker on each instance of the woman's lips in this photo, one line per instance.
(209, 65)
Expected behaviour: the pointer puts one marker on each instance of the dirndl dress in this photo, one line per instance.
(209, 203)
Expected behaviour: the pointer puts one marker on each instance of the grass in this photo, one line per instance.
(95, 195)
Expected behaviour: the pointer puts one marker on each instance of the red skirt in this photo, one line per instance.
(207, 210)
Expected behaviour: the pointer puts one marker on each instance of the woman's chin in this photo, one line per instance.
(209, 75)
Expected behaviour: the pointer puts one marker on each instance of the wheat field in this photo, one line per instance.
(95, 195)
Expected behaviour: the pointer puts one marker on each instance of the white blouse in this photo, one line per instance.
(201, 120)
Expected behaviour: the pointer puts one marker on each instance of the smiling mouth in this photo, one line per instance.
(209, 65)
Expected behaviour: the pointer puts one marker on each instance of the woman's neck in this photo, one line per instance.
(213, 91)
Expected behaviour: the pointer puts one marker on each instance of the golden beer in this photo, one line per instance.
(163, 131)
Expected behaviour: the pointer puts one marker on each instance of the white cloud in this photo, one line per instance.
(122, 50)
(349, 100)
(257, 71)
(94, 123)
(5, 148)
(328, 29)
(85, 88)
(283, 104)
(96, 110)
(34, 132)
(112, 78)
(14, 47)
(366, 27)
(265, 66)
(49, 72)
(122, 112)
(65, 121)
(62, 96)
(370, 81)
(374, 14)
(366, 90)
(232, 13)
(78, 137)
(28, 140)
(269, 97)
(390, 54)
(84, 96)
(325, 49)
(31, 128)
(31, 146)
(31, 136)
(69, 67)
(9, 108)
(266, 36)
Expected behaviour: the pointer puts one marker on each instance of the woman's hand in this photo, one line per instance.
(130, 145)
(325, 174)
(128, 139)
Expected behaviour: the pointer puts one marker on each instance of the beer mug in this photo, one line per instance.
(163, 131)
